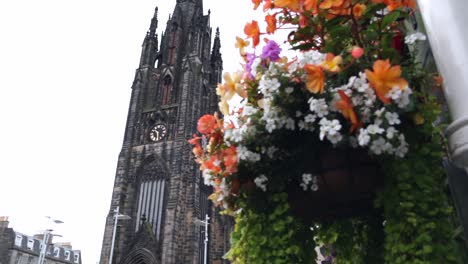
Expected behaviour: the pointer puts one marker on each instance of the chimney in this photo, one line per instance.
(3, 223)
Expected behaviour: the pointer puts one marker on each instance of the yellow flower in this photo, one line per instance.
(231, 86)
(418, 119)
(241, 44)
(332, 63)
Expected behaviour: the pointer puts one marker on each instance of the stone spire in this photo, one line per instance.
(154, 23)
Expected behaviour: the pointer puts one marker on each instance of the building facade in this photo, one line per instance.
(157, 183)
(18, 248)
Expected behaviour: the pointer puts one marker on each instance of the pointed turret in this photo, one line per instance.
(154, 23)
(216, 59)
(150, 44)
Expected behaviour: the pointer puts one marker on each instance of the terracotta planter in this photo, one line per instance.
(347, 181)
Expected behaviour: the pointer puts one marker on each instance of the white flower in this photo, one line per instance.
(249, 110)
(363, 138)
(402, 149)
(392, 118)
(353, 142)
(411, 39)
(335, 138)
(298, 113)
(391, 131)
(245, 154)
(268, 86)
(271, 151)
(301, 124)
(378, 146)
(404, 100)
(310, 118)
(254, 66)
(374, 129)
(290, 124)
(289, 90)
(379, 112)
(311, 57)
(293, 67)
(306, 179)
(319, 106)
(357, 100)
(394, 93)
(330, 129)
(261, 181)
(207, 177)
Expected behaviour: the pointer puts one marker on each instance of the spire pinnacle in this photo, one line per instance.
(154, 22)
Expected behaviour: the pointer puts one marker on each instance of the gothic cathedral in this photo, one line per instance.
(157, 183)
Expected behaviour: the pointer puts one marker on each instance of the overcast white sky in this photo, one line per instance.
(66, 68)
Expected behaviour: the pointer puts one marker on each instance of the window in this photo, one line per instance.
(30, 260)
(18, 240)
(67, 255)
(30, 244)
(56, 252)
(166, 89)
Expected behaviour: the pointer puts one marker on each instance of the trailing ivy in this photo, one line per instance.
(271, 236)
(417, 226)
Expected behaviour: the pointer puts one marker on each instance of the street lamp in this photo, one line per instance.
(45, 240)
(205, 223)
(117, 216)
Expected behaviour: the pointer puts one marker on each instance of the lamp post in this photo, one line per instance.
(117, 216)
(205, 223)
(45, 240)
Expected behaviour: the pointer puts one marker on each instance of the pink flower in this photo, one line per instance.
(357, 52)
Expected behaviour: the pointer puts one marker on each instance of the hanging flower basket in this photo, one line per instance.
(313, 135)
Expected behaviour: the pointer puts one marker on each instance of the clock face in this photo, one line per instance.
(158, 132)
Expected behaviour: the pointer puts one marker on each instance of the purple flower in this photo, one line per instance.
(271, 51)
(248, 66)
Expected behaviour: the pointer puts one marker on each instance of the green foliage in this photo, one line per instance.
(271, 236)
(417, 213)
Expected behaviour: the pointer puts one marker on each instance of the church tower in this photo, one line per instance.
(157, 182)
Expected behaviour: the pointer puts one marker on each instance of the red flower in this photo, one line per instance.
(207, 124)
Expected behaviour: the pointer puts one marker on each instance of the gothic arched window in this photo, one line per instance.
(151, 196)
(166, 90)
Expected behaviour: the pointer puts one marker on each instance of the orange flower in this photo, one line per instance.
(338, 7)
(394, 4)
(207, 124)
(311, 6)
(439, 80)
(253, 31)
(332, 63)
(326, 4)
(267, 5)
(230, 159)
(212, 164)
(271, 23)
(384, 78)
(346, 107)
(315, 78)
(293, 5)
(256, 3)
(358, 10)
(197, 149)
